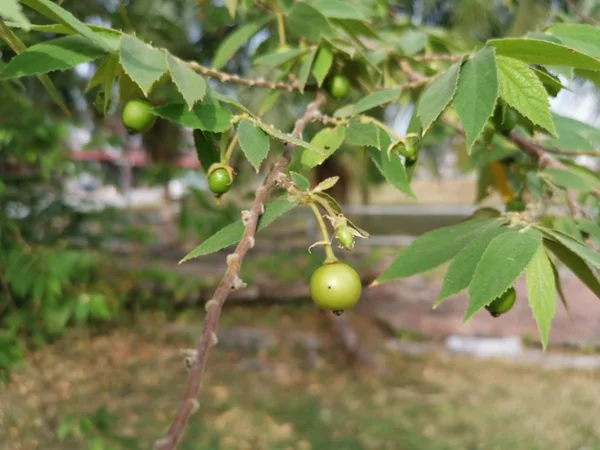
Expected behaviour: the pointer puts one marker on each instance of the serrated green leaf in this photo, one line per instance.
(232, 43)
(128, 89)
(587, 254)
(58, 54)
(558, 284)
(190, 84)
(326, 184)
(276, 58)
(206, 149)
(567, 225)
(436, 247)
(476, 94)
(322, 64)
(522, 89)
(363, 134)
(304, 72)
(462, 268)
(110, 36)
(573, 135)
(437, 95)
(567, 179)
(12, 12)
(550, 82)
(375, 99)
(203, 116)
(541, 293)
(254, 143)
(269, 129)
(303, 20)
(56, 13)
(575, 264)
(144, 64)
(211, 93)
(536, 51)
(300, 181)
(590, 227)
(504, 260)
(585, 38)
(328, 140)
(412, 41)
(13, 41)
(339, 9)
(232, 233)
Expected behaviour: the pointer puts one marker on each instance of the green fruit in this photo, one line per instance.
(503, 303)
(335, 286)
(505, 119)
(516, 205)
(219, 181)
(338, 86)
(137, 116)
(345, 237)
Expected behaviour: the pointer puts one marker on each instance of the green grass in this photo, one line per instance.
(422, 404)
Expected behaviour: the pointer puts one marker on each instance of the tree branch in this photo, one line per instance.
(224, 77)
(585, 18)
(229, 282)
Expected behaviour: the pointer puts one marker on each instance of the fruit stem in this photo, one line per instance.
(325, 204)
(280, 28)
(229, 151)
(329, 255)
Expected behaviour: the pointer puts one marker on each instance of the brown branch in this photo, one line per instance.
(229, 282)
(412, 75)
(236, 79)
(585, 18)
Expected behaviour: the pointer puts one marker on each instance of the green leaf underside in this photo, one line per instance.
(462, 268)
(586, 253)
(436, 247)
(476, 94)
(232, 43)
(437, 96)
(304, 72)
(363, 134)
(567, 179)
(254, 142)
(144, 64)
(190, 84)
(304, 20)
(206, 149)
(501, 264)
(61, 15)
(328, 140)
(541, 292)
(322, 64)
(202, 116)
(542, 52)
(232, 233)
(300, 181)
(58, 54)
(521, 88)
(575, 264)
(585, 38)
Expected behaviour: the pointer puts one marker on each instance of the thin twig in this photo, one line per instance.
(236, 79)
(585, 18)
(412, 74)
(229, 282)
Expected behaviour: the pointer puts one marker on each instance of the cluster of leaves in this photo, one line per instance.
(385, 61)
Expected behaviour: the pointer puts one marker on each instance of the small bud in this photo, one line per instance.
(237, 283)
(232, 258)
(251, 241)
(209, 304)
(246, 215)
(345, 237)
(214, 340)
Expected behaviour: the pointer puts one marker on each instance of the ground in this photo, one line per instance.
(278, 399)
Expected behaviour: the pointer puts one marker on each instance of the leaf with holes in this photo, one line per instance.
(190, 84)
(254, 143)
(476, 94)
(522, 89)
(203, 116)
(541, 292)
(435, 247)
(144, 64)
(232, 233)
(58, 54)
(437, 95)
(503, 261)
(328, 140)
